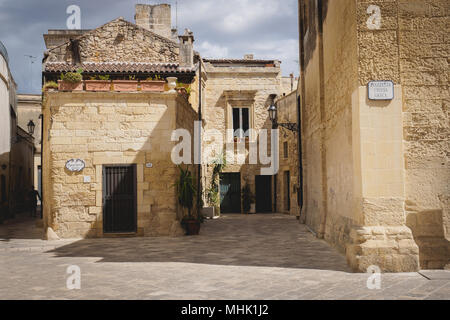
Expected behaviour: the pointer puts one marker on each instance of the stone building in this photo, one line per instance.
(16, 147)
(287, 185)
(7, 117)
(29, 107)
(113, 129)
(376, 172)
(123, 139)
(238, 94)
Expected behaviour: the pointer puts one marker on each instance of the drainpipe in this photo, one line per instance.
(200, 143)
(301, 102)
(41, 116)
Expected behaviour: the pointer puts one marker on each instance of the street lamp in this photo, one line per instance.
(273, 117)
(272, 113)
(31, 127)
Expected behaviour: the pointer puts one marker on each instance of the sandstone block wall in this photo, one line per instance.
(109, 128)
(238, 87)
(380, 165)
(119, 40)
(287, 113)
(424, 52)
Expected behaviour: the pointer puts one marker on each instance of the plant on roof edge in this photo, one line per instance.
(50, 85)
(72, 77)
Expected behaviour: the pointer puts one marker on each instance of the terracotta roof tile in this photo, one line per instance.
(119, 67)
(240, 61)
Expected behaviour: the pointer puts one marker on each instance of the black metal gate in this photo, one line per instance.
(230, 193)
(263, 186)
(119, 199)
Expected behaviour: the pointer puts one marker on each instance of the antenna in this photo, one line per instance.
(31, 69)
(176, 15)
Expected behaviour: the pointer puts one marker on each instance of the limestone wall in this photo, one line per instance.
(327, 122)
(119, 40)
(424, 52)
(287, 113)
(238, 86)
(109, 128)
(364, 158)
(5, 136)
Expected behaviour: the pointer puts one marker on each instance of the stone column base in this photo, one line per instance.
(392, 249)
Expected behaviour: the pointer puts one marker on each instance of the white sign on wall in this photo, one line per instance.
(75, 165)
(381, 90)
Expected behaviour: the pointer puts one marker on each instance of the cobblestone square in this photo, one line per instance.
(235, 257)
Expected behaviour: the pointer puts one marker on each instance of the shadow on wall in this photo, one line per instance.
(429, 233)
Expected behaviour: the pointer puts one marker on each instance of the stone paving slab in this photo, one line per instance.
(235, 257)
(436, 274)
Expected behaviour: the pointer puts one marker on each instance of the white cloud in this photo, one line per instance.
(209, 50)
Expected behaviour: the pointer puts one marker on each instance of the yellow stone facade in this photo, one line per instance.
(376, 172)
(239, 85)
(106, 129)
(288, 185)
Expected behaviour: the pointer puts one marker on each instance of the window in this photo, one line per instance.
(285, 150)
(240, 122)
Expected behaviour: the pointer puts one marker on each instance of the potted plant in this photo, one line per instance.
(98, 83)
(184, 89)
(155, 84)
(71, 81)
(50, 86)
(247, 199)
(126, 85)
(213, 193)
(186, 193)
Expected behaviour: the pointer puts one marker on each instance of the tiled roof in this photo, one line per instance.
(119, 67)
(242, 61)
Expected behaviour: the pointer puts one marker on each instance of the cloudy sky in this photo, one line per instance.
(222, 28)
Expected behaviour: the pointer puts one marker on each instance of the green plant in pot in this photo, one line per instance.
(247, 198)
(212, 193)
(71, 81)
(186, 193)
(50, 85)
(98, 83)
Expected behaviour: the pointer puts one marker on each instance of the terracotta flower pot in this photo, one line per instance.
(98, 85)
(125, 85)
(152, 85)
(70, 86)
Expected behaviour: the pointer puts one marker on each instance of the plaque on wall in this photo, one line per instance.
(75, 165)
(381, 90)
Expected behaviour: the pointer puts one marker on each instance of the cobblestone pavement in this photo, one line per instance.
(235, 257)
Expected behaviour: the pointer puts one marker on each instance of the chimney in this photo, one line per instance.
(156, 18)
(187, 49)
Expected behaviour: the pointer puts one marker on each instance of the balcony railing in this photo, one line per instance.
(3, 52)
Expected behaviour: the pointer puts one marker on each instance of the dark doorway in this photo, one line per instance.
(40, 180)
(287, 191)
(230, 193)
(119, 199)
(263, 194)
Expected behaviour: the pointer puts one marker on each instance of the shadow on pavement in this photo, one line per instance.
(271, 240)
